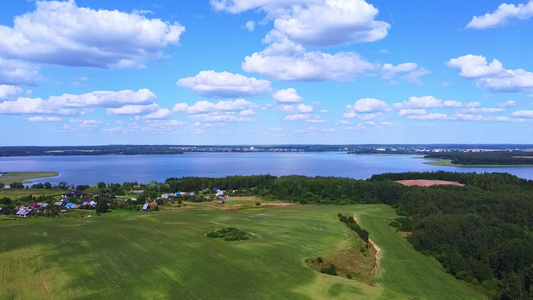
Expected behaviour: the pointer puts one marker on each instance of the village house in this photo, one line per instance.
(24, 211)
(146, 207)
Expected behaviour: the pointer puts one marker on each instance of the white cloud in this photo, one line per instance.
(493, 76)
(206, 106)
(434, 116)
(61, 33)
(523, 113)
(431, 102)
(475, 66)
(225, 85)
(509, 103)
(14, 72)
(411, 71)
(9, 91)
(225, 117)
(411, 111)
(296, 109)
(344, 122)
(250, 26)
(33, 106)
(133, 110)
(44, 119)
(289, 96)
(503, 15)
(308, 118)
(85, 124)
(104, 99)
(331, 23)
(365, 106)
(156, 126)
(329, 130)
(481, 110)
(76, 104)
(307, 66)
(247, 112)
(162, 113)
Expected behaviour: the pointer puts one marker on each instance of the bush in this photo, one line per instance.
(258, 204)
(331, 270)
(228, 234)
(319, 260)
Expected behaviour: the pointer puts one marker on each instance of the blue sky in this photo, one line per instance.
(93, 72)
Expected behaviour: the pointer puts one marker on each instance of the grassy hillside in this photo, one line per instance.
(11, 177)
(165, 255)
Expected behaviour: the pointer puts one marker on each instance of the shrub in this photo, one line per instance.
(331, 270)
(228, 234)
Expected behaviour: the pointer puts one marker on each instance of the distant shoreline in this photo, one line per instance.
(448, 163)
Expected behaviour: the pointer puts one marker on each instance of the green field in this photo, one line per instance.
(11, 177)
(165, 255)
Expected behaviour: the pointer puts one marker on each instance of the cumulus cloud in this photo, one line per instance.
(85, 124)
(492, 76)
(61, 33)
(317, 23)
(133, 110)
(502, 16)
(223, 117)
(44, 119)
(365, 106)
(509, 103)
(247, 112)
(411, 111)
(408, 71)
(431, 102)
(68, 104)
(157, 126)
(433, 116)
(32, 106)
(287, 96)
(14, 72)
(250, 26)
(331, 23)
(104, 98)
(475, 66)
(296, 109)
(284, 60)
(225, 85)
(523, 113)
(9, 91)
(206, 106)
(162, 113)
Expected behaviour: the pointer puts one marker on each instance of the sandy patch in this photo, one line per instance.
(426, 182)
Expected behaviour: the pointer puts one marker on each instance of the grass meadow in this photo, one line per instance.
(11, 177)
(165, 255)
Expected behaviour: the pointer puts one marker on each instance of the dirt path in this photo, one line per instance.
(378, 252)
(426, 182)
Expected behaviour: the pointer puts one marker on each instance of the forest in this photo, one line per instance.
(515, 157)
(88, 150)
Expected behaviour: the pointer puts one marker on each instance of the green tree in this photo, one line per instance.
(101, 206)
(101, 185)
(47, 185)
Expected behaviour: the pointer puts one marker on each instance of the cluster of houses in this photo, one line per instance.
(65, 202)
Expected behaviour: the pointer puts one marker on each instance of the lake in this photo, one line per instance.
(145, 168)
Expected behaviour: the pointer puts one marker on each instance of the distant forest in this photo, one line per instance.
(89, 150)
(515, 157)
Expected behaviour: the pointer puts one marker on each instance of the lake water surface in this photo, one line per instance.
(145, 168)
